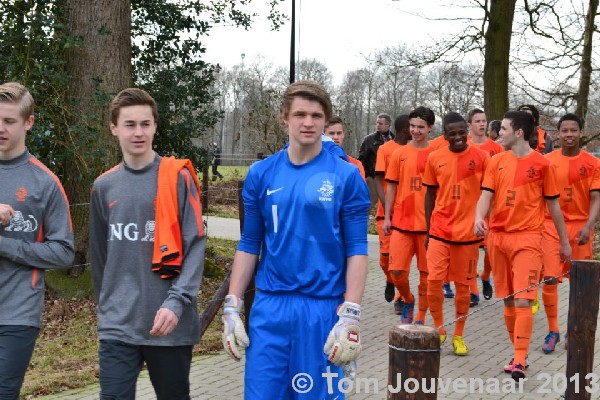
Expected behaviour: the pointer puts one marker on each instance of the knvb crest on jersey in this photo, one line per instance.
(18, 223)
(583, 171)
(21, 194)
(533, 173)
(326, 191)
(471, 165)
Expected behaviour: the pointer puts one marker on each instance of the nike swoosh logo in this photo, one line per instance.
(270, 192)
(501, 168)
(112, 203)
(441, 165)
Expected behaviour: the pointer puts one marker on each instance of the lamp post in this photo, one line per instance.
(293, 44)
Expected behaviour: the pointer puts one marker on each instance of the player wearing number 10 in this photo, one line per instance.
(515, 185)
(306, 214)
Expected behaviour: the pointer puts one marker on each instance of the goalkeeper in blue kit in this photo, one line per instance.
(306, 215)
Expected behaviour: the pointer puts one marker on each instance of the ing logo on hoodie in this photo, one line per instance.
(131, 232)
(19, 224)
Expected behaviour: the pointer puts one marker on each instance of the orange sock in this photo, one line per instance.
(384, 263)
(423, 301)
(487, 267)
(523, 331)
(435, 299)
(509, 321)
(473, 287)
(550, 297)
(461, 304)
(400, 280)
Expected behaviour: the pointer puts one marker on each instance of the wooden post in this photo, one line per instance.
(584, 297)
(250, 290)
(414, 353)
(213, 307)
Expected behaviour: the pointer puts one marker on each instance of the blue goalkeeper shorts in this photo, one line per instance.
(285, 359)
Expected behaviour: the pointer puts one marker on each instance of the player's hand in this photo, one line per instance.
(343, 342)
(387, 227)
(583, 236)
(6, 213)
(565, 252)
(480, 228)
(234, 333)
(165, 321)
(426, 241)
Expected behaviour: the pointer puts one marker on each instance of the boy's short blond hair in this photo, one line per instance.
(15, 93)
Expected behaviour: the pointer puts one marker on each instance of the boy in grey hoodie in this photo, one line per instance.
(143, 316)
(36, 234)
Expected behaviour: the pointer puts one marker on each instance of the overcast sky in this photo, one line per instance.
(339, 33)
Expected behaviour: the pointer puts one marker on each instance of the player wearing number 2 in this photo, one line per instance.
(515, 185)
(306, 214)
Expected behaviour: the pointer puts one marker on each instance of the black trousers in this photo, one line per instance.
(120, 365)
(16, 347)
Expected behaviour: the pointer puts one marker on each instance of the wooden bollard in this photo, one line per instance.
(414, 362)
(584, 296)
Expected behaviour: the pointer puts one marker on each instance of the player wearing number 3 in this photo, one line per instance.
(515, 185)
(306, 214)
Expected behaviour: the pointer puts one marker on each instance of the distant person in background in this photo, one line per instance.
(216, 162)
(368, 150)
(494, 129)
(336, 130)
(542, 142)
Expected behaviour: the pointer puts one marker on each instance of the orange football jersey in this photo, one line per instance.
(406, 168)
(576, 178)
(458, 178)
(520, 186)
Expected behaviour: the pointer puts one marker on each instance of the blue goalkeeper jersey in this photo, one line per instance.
(304, 221)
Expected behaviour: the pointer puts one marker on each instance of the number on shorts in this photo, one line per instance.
(533, 279)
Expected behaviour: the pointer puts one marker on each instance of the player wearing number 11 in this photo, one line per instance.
(515, 187)
(306, 214)
(453, 177)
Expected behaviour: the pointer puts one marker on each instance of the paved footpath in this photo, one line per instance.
(220, 378)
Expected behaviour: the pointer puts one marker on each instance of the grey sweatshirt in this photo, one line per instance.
(121, 244)
(39, 237)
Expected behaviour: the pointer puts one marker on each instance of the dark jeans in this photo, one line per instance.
(16, 347)
(120, 365)
(216, 173)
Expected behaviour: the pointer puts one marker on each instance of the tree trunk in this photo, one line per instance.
(586, 61)
(497, 55)
(99, 66)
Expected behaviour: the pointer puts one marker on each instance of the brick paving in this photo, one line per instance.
(217, 377)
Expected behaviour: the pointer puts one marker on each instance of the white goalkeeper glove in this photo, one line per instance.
(343, 342)
(234, 333)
